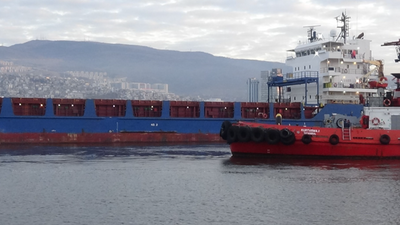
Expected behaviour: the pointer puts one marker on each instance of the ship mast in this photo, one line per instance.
(312, 34)
(344, 29)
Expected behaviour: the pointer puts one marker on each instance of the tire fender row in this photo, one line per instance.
(232, 133)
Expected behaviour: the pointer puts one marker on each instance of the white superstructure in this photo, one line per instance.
(339, 63)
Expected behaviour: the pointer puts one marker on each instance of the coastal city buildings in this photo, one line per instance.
(20, 81)
(252, 90)
(264, 86)
(257, 91)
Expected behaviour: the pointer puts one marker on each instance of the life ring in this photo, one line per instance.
(345, 70)
(272, 136)
(375, 121)
(384, 139)
(335, 84)
(223, 132)
(306, 139)
(386, 102)
(334, 139)
(244, 134)
(232, 135)
(265, 116)
(257, 134)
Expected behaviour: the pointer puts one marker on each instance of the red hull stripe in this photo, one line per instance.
(99, 138)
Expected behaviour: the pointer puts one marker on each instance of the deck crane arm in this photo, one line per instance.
(378, 67)
(397, 44)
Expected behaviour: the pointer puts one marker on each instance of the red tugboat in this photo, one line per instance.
(377, 135)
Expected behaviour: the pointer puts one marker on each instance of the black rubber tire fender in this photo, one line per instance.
(334, 139)
(223, 132)
(244, 134)
(289, 139)
(232, 134)
(257, 134)
(285, 133)
(306, 139)
(384, 139)
(272, 136)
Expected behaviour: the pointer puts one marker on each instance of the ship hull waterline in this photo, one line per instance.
(107, 138)
(315, 150)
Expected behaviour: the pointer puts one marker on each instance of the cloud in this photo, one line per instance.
(252, 29)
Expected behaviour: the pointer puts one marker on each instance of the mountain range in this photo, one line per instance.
(187, 73)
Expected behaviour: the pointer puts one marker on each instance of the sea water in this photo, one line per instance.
(191, 184)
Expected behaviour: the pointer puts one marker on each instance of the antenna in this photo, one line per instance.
(312, 34)
(344, 29)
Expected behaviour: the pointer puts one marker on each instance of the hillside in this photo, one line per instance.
(187, 73)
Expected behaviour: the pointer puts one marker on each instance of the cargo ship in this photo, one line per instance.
(335, 68)
(96, 121)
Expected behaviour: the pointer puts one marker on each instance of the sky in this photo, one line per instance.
(242, 29)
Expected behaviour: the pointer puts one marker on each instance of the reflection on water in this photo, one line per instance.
(320, 163)
(117, 150)
(191, 184)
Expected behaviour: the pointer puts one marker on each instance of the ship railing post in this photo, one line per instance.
(271, 110)
(342, 132)
(165, 109)
(350, 131)
(201, 109)
(49, 108)
(317, 74)
(90, 110)
(6, 108)
(237, 112)
(129, 109)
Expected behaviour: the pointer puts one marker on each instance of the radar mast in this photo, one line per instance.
(344, 29)
(312, 34)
